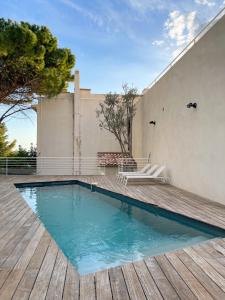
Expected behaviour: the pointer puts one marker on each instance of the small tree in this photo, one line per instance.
(23, 152)
(31, 65)
(6, 147)
(32, 151)
(116, 115)
(128, 97)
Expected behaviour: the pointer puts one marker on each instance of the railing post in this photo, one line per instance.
(6, 166)
(104, 166)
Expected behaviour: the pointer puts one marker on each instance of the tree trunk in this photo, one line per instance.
(123, 150)
(129, 136)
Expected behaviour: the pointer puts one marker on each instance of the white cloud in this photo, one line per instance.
(205, 2)
(85, 12)
(175, 26)
(144, 5)
(181, 29)
(158, 43)
(191, 25)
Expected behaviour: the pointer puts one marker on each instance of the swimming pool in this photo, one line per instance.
(102, 229)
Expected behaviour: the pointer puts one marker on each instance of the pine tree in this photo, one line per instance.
(6, 147)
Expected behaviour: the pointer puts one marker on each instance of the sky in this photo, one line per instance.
(114, 41)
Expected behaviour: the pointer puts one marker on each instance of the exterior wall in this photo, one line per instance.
(55, 134)
(93, 138)
(58, 131)
(191, 142)
(55, 126)
(137, 131)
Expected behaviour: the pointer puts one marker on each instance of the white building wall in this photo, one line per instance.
(94, 139)
(55, 134)
(137, 130)
(191, 142)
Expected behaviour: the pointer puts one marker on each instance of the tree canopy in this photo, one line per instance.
(116, 115)
(23, 152)
(31, 65)
(6, 147)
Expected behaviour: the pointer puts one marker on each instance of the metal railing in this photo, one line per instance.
(50, 166)
(69, 166)
(18, 165)
(132, 164)
(66, 165)
(201, 33)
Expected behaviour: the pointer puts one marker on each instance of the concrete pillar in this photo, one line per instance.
(76, 126)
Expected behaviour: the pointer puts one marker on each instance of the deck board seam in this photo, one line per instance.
(37, 272)
(172, 283)
(209, 279)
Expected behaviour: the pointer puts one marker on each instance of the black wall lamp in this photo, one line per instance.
(194, 105)
(152, 122)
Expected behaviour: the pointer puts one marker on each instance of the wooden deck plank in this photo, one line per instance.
(206, 267)
(174, 278)
(10, 212)
(219, 246)
(87, 287)
(26, 284)
(72, 284)
(103, 288)
(9, 287)
(10, 261)
(9, 241)
(12, 223)
(56, 286)
(118, 285)
(210, 258)
(134, 287)
(41, 284)
(163, 284)
(198, 290)
(11, 208)
(150, 288)
(201, 276)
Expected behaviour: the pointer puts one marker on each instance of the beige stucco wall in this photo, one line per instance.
(137, 131)
(191, 143)
(55, 134)
(55, 126)
(56, 131)
(93, 138)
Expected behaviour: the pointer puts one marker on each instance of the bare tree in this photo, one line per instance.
(116, 115)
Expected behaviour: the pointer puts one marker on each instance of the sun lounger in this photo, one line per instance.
(147, 173)
(145, 177)
(142, 171)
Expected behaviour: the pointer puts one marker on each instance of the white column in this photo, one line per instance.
(76, 125)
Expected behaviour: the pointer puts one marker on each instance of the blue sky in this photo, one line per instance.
(115, 41)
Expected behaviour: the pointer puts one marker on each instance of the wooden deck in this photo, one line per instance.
(33, 267)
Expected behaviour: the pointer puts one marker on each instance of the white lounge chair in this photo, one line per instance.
(147, 173)
(155, 175)
(142, 171)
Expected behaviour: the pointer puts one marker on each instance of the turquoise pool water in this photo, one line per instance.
(97, 231)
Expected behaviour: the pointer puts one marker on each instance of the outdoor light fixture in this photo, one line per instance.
(152, 122)
(194, 105)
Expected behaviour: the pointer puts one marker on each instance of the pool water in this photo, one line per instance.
(97, 231)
